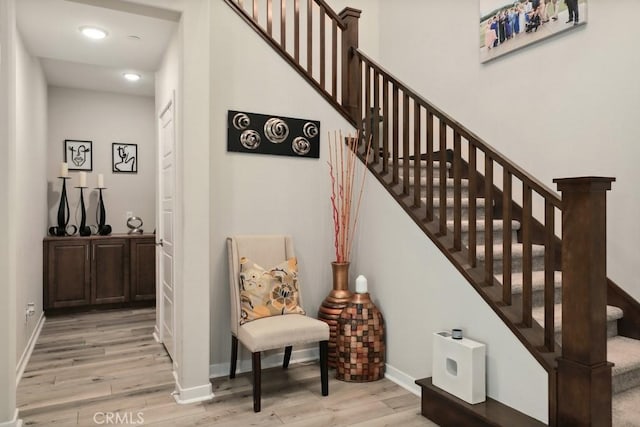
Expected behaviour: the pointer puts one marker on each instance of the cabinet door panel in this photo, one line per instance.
(110, 271)
(143, 269)
(68, 274)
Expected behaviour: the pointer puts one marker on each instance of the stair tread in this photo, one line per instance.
(423, 163)
(450, 201)
(624, 352)
(516, 251)
(436, 181)
(625, 408)
(613, 313)
(537, 280)
(498, 224)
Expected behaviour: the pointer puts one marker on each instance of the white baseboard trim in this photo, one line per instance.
(403, 380)
(156, 334)
(26, 354)
(185, 396)
(271, 361)
(15, 422)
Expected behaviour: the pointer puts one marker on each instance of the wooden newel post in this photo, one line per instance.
(350, 67)
(584, 375)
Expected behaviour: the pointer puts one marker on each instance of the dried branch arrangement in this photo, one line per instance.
(342, 169)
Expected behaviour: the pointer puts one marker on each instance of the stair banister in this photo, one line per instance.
(584, 375)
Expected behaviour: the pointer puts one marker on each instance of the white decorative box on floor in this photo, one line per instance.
(459, 367)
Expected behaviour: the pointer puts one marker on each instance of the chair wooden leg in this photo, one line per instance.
(324, 367)
(287, 357)
(255, 361)
(234, 356)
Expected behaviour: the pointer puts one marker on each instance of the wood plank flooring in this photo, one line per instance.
(88, 366)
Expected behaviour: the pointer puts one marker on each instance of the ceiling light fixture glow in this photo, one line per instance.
(93, 32)
(132, 77)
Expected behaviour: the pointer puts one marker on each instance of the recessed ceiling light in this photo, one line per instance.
(93, 32)
(132, 77)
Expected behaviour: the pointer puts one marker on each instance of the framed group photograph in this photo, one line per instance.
(124, 158)
(507, 26)
(78, 155)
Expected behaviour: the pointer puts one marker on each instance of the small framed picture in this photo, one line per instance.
(124, 158)
(78, 155)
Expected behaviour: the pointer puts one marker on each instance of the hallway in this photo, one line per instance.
(89, 362)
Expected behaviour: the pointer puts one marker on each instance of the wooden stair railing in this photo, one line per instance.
(318, 44)
(410, 138)
(413, 132)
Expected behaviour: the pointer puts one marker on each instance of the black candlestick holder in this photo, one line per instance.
(83, 230)
(63, 213)
(101, 215)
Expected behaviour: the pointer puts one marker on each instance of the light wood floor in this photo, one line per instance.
(87, 366)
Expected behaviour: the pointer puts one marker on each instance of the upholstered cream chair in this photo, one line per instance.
(273, 332)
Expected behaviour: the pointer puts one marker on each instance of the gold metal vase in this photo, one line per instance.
(334, 303)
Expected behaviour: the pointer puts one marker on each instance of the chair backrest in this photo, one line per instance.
(264, 250)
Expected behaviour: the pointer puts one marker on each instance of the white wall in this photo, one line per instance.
(7, 215)
(104, 118)
(31, 178)
(564, 107)
(260, 193)
(369, 24)
(192, 256)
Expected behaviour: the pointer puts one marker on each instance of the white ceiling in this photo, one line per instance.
(50, 31)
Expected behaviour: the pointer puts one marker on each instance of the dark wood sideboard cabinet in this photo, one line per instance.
(99, 271)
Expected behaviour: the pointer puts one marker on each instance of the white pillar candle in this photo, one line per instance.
(361, 284)
(64, 170)
(83, 179)
(100, 180)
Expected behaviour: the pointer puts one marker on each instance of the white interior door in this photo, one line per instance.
(167, 236)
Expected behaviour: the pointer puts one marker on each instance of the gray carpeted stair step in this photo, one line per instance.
(613, 314)
(537, 252)
(464, 205)
(537, 286)
(450, 186)
(423, 168)
(498, 230)
(625, 354)
(625, 408)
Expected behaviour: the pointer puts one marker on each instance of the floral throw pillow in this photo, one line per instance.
(268, 292)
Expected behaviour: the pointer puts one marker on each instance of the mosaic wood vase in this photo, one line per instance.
(334, 303)
(360, 341)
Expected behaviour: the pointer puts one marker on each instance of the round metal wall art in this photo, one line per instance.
(241, 121)
(276, 130)
(250, 139)
(310, 130)
(269, 134)
(301, 146)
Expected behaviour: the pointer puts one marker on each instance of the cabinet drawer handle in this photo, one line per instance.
(86, 251)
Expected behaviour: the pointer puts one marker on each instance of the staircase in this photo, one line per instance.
(623, 352)
(495, 223)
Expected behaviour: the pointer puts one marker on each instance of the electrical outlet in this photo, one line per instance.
(29, 311)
